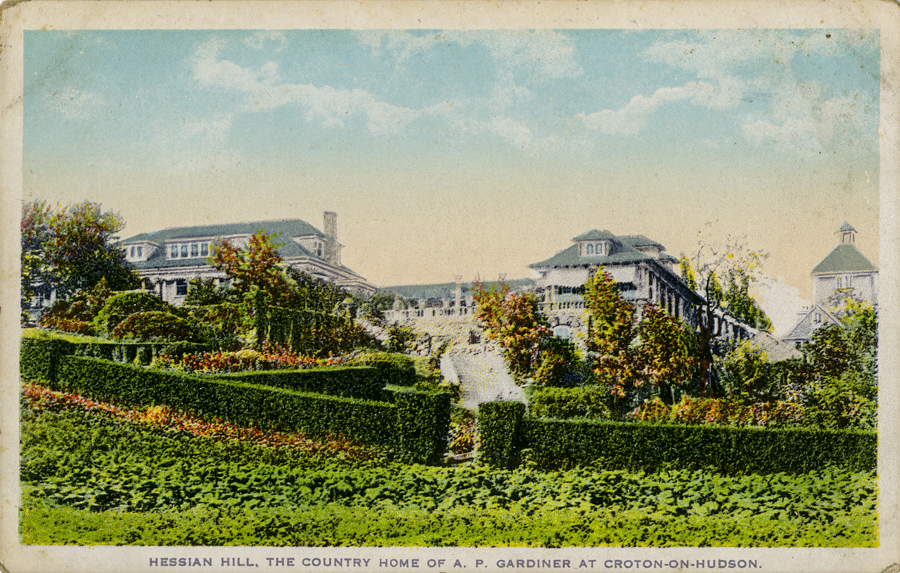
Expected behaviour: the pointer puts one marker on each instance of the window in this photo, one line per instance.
(562, 332)
(173, 254)
(204, 249)
(839, 282)
(140, 252)
(319, 250)
(590, 249)
(132, 252)
(599, 249)
(181, 285)
(184, 250)
(195, 249)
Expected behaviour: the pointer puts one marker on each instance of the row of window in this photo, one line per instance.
(601, 248)
(136, 252)
(189, 250)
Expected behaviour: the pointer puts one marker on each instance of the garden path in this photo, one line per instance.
(482, 376)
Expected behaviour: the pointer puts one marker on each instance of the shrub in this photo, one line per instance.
(617, 445)
(423, 423)
(122, 305)
(563, 403)
(497, 424)
(393, 368)
(462, 430)
(351, 382)
(153, 325)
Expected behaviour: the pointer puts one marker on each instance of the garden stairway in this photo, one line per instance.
(482, 376)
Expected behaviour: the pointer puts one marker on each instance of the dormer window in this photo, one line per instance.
(192, 250)
(590, 249)
(319, 250)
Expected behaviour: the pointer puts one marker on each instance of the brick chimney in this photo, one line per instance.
(332, 248)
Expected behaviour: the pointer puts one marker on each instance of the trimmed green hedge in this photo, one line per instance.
(423, 425)
(240, 403)
(39, 357)
(349, 382)
(565, 403)
(497, 424)
(562, 443)
(393, 367)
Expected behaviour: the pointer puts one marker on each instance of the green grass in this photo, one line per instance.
(88, 479)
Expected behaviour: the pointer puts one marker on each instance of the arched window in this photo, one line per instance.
(590, 249)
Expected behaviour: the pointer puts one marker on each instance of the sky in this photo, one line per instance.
(448, 152)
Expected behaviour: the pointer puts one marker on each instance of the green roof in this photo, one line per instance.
(621, 254)
(594, 235)
(638, 241)
(847, 227)
(448, 290)
(284, 229)
(844, 258)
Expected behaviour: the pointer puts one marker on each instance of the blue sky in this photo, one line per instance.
(461, 152)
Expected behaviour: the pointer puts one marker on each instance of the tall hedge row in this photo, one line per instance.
(238, 402)
(498, 424)
(614, 445)
(423, 425)
(39, 357)
(350, 382)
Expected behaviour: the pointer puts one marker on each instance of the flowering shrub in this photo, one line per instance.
(41, 398)
(270, 358)
(67, 324)
(462, 431)
(120, 306)
(154, 325)
(722, 412)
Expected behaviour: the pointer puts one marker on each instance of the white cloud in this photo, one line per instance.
(802, 120)
(265, 89)
(271, 38)
(76, 104)
(781, 303)
(631, 118)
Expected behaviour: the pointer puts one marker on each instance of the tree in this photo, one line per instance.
(65, 249)
(740, 266)
(515, 323)
(636, 352)
(256, 267)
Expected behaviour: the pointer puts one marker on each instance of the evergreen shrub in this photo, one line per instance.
(153, 325)
(393, 368)
(350, 382)
(120, 306)
(497, 424)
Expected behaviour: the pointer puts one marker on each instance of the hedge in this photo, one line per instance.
(497, 424)
(349, 382)
(416, 425)
(423, 425)
(565, 403)
(615, 445)
(393, 368)
(39, 357)
(238, 402)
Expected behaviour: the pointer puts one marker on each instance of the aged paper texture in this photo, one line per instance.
(457, 140)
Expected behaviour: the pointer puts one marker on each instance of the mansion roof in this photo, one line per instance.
(282, 231)
(844, 258)
(624, 250)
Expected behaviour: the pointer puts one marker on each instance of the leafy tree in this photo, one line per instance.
(77, 314)
(513, 320)
(612, 334)
(740, 266)
(851, 345)
(256, 267)
(70, 248)
(636, 353)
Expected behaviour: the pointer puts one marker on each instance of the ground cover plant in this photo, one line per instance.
(95, 474)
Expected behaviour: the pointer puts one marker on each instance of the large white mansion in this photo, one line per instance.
(168, 259)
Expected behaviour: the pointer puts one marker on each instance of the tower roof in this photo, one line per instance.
(847, 227)
(844, 258)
